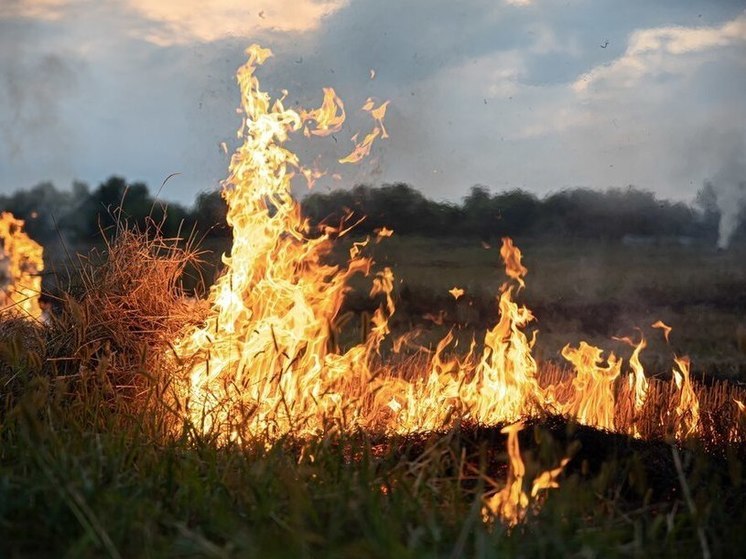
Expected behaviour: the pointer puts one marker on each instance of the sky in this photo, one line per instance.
(534, 94)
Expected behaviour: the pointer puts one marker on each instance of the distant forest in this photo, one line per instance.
(80, 214)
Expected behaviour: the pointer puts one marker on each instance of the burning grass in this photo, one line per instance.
(112, 322)
(91, 489)
(239, 424)
(90, 455)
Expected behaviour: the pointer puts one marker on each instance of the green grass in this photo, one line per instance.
(79, 483)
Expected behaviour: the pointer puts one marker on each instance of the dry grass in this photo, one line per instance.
(123, 307)
(721, 423)
(86, 472)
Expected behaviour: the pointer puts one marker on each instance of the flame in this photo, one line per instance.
(437, 319)
(362, 149)
(511, 503)
(638, 382)
(266, 362)
(663, 326)
(263, 363)
(377, 113)
(593, 401)
(311, 176)
(329, 117)
(456, 292)
(382, 233)
(22, 260)
(499, 387)
(687, 409)
(741, 406)
(512, 257)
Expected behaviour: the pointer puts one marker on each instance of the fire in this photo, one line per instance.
(512, 503)
(383, 233)
(378, 114)
(637, 381)
(22, 261)
(663, 326)
(362, 149)
(266, 362)
(504, 387)
(687, 409)
(456, 292)
(593, 402)
(512, 257)
(329, 117)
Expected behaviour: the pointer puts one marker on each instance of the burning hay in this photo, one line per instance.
(265, 362)
(255, 373)
(21, 262)
(111, 323)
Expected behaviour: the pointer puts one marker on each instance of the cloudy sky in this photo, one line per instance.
(535, 94)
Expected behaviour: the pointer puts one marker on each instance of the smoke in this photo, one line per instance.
(34, 84)
(729, 183)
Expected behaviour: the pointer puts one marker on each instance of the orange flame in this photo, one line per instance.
(663, 326)
(266, 361)
(456, 292)
(22, 260)
(593, 401)
(638, 382)
(262, 362)
(382, 233)
(511, 503)
(512, 257)
(687, 410)
(329, 117)
(362, 150)
(377, 113)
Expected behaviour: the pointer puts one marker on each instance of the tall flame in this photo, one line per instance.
(22, 260)
(637, 382)
(687, 408)
(266, 361)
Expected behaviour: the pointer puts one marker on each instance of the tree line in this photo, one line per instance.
(81, 214)
(611, 214)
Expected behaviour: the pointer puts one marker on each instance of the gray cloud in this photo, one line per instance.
(34, 87)
(481, 93)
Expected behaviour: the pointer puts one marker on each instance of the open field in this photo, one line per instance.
(79, 483)
(578, 290)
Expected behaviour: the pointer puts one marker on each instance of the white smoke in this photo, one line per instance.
(729, 183)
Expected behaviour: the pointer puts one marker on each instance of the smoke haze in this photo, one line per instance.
(540, 95)
(730, 189)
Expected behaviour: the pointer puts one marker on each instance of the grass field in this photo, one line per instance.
(90, 468)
